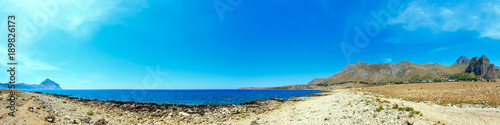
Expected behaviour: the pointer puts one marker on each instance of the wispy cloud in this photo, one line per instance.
(78, 17)
(388, 60)
(480, 16)
(440, 49)
(38, 21)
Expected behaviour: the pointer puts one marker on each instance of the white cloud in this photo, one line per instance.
(480, 16)
(388, 60)
(80, 18)
(35, 19)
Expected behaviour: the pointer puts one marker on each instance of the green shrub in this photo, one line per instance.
(380, 109)
(394, 107)
(18, 94)
(90, 113)
(408, 109)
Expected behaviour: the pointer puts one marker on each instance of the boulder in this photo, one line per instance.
(50, 119)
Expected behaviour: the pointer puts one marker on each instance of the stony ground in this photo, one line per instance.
(35, 109)
(341, 107)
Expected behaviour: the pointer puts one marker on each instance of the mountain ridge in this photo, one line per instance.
(404, 71)
(46, 84)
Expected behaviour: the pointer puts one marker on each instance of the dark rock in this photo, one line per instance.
(31, 109)
(101, 122)
(277, 99)
(254, 122)
(490, 74)
(74, 122)
(482, 67)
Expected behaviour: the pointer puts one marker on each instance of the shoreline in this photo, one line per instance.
(63, 109)
(320, 93)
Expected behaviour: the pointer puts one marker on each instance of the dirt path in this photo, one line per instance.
(23, 116)
(455, 115)
(29, 116)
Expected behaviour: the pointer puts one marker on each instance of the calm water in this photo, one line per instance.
(186, 97)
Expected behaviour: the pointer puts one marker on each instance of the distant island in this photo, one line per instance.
(46, 84)
(464, 69)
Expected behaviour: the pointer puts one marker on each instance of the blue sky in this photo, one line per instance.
(219, 44)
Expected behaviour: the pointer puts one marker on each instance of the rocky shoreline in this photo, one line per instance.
(63, 109)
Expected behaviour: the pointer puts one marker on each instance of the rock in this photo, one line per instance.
(86, 120)
(254, 122)
(184, 114)
(101, 122)
(31, 109)
(50, 119)
(482, 67)
(66, 118)
(74, 122)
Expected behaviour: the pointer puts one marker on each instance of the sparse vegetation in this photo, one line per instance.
(380, 109)
(90, 113)
(18, 94)
(477, 93)
(465, 77)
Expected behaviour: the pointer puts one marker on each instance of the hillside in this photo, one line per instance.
(46, 84)
(395, 72)
(408, 71)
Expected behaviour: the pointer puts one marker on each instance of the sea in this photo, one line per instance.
(182, 97)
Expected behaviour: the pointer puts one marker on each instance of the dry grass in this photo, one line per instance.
(482, 93)
(7, 90)
(343, 86)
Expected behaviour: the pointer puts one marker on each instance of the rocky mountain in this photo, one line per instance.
(403, 71)
(407, 71)
(46, 84)
(497, 70)
(482, 67)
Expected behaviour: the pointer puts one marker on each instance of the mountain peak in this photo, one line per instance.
(49, 84)
(46, 84)
(47, 80)
(463, 60)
